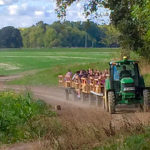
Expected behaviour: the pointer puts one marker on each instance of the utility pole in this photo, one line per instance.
(86, 26)
(86, 38)
(92, 43)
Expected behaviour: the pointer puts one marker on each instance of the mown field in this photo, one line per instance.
(48, 63)
(44, 65)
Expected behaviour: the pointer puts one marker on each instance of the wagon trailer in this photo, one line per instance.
(71, 87)
(96, 91)
(87, 90)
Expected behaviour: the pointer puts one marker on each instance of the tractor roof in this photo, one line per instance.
(124, 61)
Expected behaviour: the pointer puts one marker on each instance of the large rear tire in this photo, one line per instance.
(111, 102)
(146, 100)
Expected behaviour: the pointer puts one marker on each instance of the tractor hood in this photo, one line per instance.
(127, 80)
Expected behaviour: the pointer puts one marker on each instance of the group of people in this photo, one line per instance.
(88, 74)
(95, 74)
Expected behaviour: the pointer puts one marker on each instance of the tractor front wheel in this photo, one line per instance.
(111, 102)
(146, 100)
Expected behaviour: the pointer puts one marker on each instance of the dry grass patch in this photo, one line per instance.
(89, 128)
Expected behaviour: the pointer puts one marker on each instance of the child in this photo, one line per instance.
(68, 75)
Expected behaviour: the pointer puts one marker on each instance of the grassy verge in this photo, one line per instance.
(147, 79)
(50, 76)
(144, 67)
(134, 142)
(23, 119)
(100, 134)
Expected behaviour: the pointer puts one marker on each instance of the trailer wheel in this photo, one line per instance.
(111, 102)
(74, 95)
(105, 102)
(98, 101)
(90, 98)
(83, 97)
(67, 94)
(146, 100)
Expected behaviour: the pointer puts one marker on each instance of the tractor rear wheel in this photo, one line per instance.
(146, 100)
(111, 102)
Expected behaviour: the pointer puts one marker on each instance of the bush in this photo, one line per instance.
(16, 113)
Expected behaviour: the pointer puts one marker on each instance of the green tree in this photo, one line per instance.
(49, 37)
(66, 34)
(141, 15)
(34, 36)
(10, 37)
(25, 36)
(111, 38)
(130, 17)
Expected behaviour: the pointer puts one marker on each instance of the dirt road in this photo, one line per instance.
(76, 110)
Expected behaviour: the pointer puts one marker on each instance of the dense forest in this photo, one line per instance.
(66, 34)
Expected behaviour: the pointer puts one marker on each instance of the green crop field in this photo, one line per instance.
(15, 61)
(48, 63)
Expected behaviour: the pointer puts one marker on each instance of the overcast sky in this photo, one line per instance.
(25, 13)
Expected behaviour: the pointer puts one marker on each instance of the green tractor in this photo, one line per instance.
(125, 85)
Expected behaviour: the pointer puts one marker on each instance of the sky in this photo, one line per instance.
(25, 13)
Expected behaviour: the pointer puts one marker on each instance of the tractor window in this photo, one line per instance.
(116, 73)
(129, 69)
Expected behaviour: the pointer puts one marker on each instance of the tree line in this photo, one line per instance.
(58, 34)
(130, 17)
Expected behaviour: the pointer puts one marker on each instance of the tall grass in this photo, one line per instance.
(134, 142)
(87, 129)
(20, 117)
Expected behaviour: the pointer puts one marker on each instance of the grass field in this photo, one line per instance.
(51, 62)
(15, 61)
(46, 64)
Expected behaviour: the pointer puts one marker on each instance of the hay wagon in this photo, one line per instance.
(89, 90)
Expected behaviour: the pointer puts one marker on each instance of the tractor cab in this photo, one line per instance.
(125, 85)
(125, 77)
